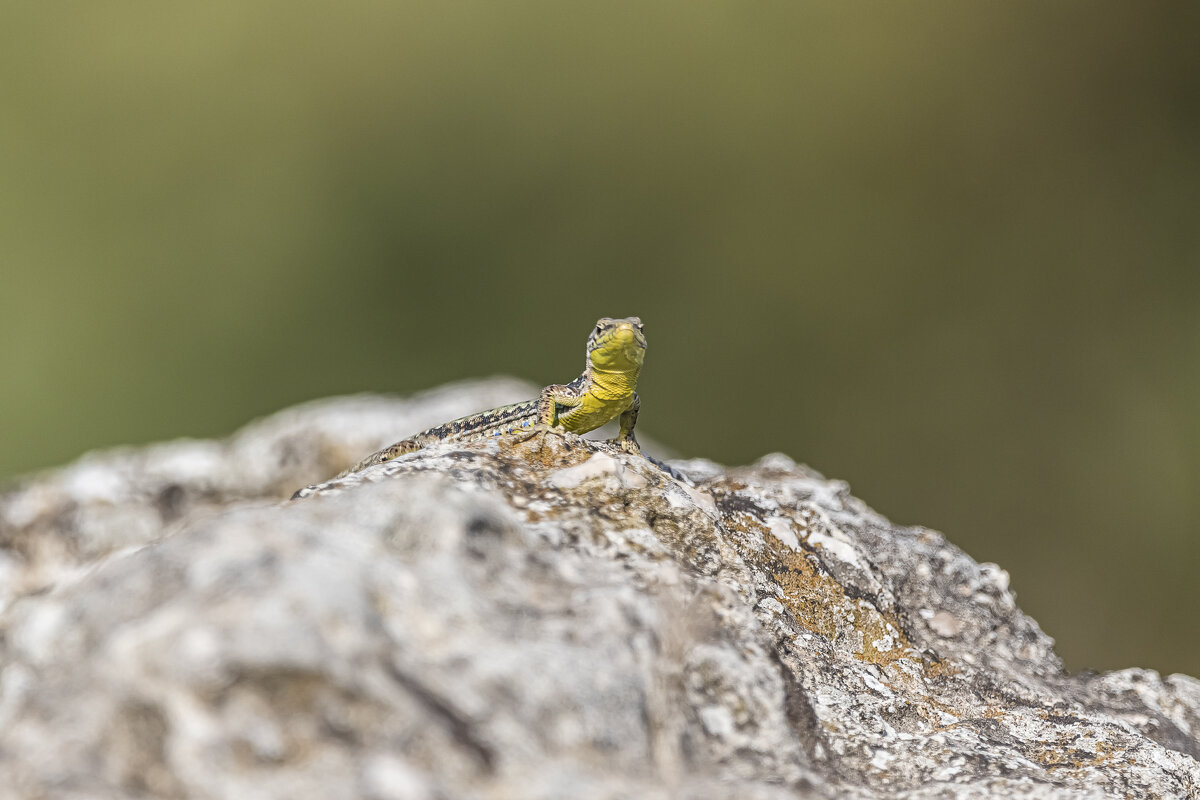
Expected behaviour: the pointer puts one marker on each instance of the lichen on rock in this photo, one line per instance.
(545, 619)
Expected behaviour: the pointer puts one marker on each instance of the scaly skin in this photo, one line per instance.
(605, 391)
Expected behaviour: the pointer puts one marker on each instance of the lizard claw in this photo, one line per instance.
(629, 445)
(536, 429)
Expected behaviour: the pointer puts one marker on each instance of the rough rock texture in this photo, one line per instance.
(548, 619)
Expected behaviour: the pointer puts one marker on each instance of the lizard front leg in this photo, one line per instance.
(551, 398)
(628, 420)
(629, 444)
(548, 402)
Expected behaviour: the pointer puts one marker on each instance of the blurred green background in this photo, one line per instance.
(949, 252)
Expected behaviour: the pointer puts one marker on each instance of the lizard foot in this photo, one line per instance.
(536, 431)
(629, 445)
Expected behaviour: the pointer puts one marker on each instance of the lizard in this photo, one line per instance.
(605, 391)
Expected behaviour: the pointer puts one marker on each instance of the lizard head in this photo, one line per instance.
(617, 345)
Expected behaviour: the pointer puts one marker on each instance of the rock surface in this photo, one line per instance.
(547, 619)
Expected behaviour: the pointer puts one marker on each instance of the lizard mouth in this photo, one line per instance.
(624, 349)
(629, 337)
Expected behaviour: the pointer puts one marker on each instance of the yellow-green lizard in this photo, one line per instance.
(605, 390)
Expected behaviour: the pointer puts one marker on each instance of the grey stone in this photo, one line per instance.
(547, 619)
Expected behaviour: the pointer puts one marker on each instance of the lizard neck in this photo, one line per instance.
(612, 384)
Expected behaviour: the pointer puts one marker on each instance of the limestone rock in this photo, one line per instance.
(545, 619)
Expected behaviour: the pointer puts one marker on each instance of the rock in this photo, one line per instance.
(68, 518)
(544, 619)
